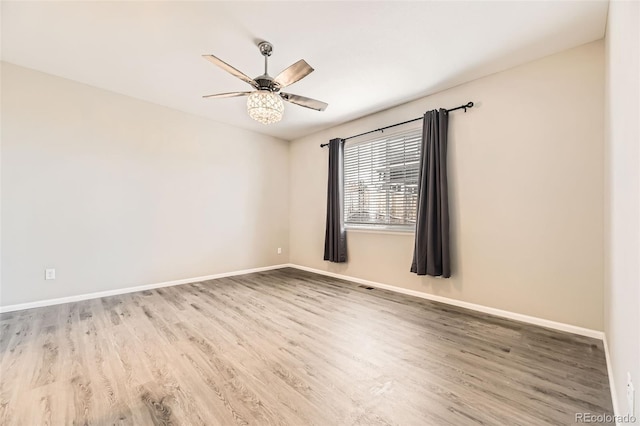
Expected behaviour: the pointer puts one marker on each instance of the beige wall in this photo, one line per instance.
(526, 193)
(115, 192)
(622, 200)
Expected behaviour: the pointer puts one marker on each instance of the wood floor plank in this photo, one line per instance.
(288, 347)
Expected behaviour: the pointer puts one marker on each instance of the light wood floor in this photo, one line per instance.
(288, 347)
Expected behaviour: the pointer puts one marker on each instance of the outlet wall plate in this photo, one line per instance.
(50, 274)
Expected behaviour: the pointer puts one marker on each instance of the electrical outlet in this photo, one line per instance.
(630, 395)
(50, 274)
(279, 250)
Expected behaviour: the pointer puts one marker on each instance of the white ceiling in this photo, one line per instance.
(368, 56)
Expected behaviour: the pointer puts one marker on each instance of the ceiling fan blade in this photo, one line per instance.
(305, 102)
(226, 95)
(231, 70)
(295, 72)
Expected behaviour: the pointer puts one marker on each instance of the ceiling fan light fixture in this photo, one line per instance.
(265, 106)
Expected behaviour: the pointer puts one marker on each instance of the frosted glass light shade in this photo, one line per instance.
(265, 107)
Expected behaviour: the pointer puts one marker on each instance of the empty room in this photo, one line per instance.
(320, 213)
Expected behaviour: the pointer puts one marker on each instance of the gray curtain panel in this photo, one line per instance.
(431, 251)
(335, 240)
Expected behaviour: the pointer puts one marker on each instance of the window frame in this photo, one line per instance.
(398, 229)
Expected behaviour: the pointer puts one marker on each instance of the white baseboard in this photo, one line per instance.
(612, 386)
(475, 307)
(480, 308)
(96, 295)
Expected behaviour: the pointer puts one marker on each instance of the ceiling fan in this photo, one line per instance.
(265, 104)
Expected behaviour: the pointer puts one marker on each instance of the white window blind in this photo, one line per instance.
(381, 181)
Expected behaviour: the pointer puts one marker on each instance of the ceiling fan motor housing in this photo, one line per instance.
(265, 82)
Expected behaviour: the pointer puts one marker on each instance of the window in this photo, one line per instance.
(381, 181)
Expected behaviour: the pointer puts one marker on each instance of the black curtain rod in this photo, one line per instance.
(382, 129)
